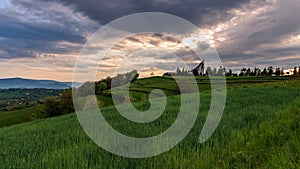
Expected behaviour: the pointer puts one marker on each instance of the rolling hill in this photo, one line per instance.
(32, 83)
(259, 129)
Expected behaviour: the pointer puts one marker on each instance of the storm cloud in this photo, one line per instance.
(244, 32)
(32, 27)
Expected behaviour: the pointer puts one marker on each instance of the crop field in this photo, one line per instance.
(260, 128)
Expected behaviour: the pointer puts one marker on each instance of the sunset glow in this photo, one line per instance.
(43, 39)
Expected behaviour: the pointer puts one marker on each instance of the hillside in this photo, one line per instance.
(139, 91)
(31, 83)
(259, 129)
(21, 116)
(140, 88)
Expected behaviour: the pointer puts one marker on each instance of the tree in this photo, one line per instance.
(100, 87)
(277, 71)
(243, 72)
(178, 71)
(195, 72)
(258, 72)
(255, 71)
(295, 71)
(134, 76)
(281, 72)
(108, 82)
(88, 88)
(66, 102)
(214, 71)
(184, 72)
(220, 71)
(270, 71)
(248, 72)
(117, 81)
(208, 71)
(51, 107)
(264, 72)
(229, 73)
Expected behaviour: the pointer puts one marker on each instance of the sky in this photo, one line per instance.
(42, 39)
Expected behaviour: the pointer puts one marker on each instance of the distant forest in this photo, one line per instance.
(221, 71)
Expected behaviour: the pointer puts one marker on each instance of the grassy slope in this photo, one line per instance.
(142, 87)
(259, 129)
(139, 91)
(20, 116)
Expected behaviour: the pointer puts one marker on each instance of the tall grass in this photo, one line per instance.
(259, 129)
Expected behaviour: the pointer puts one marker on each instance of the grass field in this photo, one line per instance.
(259, 129)
(21, 116)
(139, 91)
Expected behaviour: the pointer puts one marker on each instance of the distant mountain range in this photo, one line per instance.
(32, 83)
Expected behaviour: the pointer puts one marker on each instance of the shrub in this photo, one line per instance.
(51, 107)
(66, 102)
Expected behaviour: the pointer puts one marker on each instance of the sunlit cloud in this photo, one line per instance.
(43, 39)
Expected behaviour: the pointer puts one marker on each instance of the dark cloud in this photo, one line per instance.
(134, 39)
(254, 32)
(269, 23)
(32, 48)
(105, 11)
(267, 28)
(288, 51)
(30, 27)
(286, 64)
(12, 30)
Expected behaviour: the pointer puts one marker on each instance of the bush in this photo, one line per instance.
(100, 87)
(66, 102)
(51, 107)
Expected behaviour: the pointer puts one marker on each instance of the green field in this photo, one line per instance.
(140, 89)
(259, 129)
(20, 116)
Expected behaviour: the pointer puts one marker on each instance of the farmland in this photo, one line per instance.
(15, 99)
(23, 105)
(259, 129)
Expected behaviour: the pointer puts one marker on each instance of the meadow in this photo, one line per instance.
(21, 116)
(259, 129)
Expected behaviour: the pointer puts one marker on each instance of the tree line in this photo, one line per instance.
(98, 87)
(221, 71)
(55, 106)
(270, 71)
